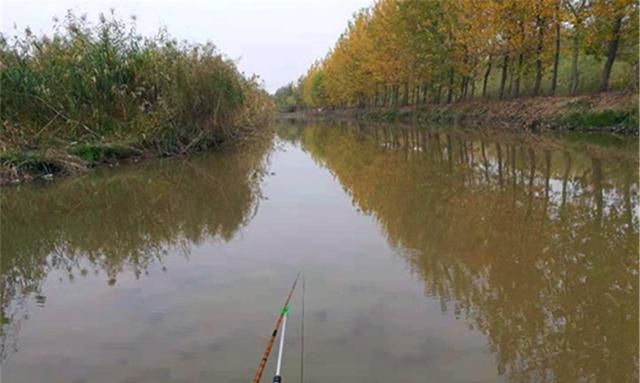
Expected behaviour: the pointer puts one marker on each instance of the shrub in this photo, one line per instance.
(106, 83)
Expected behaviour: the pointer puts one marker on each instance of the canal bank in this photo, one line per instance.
(613, 112)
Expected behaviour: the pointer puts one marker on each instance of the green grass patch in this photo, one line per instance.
(98, 153)
(603, 119)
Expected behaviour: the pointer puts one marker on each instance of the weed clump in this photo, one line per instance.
(606, 119)
(91, 86)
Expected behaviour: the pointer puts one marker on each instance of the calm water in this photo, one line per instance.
(428, 256)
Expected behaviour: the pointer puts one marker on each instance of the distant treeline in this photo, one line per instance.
(410, 52)
(95, 90)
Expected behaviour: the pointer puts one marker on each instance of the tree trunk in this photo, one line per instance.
(450, 95)
(392, 89)
(516, 87)
(503, 79)
(463, 84)
(556, 57)
(612, 49)
(473, 86)
(424, 93)
(467, 79)
(405, 98)
(486, 78)
(387, 95)
(385, 98)
(574, 64)
(396, 94)
(538, 80)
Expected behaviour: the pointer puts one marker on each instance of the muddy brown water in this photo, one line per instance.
(429, 255)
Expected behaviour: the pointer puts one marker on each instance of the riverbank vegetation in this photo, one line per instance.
(611, 112)
(413, 52)
(102, 92)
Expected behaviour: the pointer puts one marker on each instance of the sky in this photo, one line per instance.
(276, 39)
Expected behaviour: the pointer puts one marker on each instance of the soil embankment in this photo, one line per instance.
(614, 112)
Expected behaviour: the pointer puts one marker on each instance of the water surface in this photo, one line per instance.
(429, 254)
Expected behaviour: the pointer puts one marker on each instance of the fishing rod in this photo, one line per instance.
(282, 318)
(277, 378)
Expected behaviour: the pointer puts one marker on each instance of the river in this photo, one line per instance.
(429, 254)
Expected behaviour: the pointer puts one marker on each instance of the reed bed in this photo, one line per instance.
(97, 91)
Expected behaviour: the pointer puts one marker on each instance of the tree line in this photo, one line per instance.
(410, 52)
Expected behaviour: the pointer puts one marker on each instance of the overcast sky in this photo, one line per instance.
(277, 39)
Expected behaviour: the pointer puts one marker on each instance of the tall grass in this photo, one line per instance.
(104, 83)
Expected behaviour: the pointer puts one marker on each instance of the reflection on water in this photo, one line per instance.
(112, 221)
(530, 242)
(536, 245)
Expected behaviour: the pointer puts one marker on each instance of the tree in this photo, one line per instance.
(557, 23)
(578, 12)
(401, 52)
(613, 19)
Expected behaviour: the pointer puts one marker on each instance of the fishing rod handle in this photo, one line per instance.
(277, 379)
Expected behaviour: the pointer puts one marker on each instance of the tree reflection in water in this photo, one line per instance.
(534, 242)
(112, 222)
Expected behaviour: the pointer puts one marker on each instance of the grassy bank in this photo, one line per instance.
(96, 93)
(614, 112)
